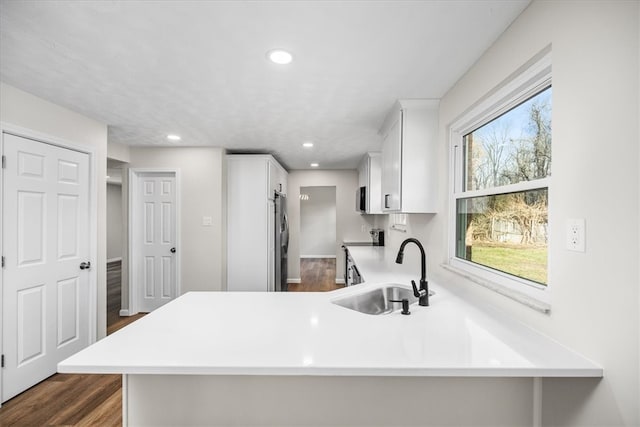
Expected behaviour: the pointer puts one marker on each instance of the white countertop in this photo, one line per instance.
(238, 333)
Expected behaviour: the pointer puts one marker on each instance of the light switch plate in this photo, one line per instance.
(207, 221)
(576, 235)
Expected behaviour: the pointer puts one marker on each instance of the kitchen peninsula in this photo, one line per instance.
(240, 358)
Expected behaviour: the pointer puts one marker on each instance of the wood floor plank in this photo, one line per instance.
(105, 414)
(91, 392)
(316, 275)
(123, 321)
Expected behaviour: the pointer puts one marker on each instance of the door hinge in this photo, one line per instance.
(4, 161)
(2, 361)
(3, 261)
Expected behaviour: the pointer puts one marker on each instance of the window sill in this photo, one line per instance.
(530, 302)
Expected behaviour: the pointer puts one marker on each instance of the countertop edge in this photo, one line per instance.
(340, 372)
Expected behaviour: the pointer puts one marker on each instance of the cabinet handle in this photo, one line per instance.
(386, 201)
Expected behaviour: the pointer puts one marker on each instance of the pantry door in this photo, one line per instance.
(46, 274)
(154, 252)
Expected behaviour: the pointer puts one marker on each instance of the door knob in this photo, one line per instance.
(173, 250)
(85, 265)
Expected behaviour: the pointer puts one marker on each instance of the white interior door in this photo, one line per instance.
(45, 225)
(155, 239)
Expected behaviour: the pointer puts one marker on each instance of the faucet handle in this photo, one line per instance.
(417, 292)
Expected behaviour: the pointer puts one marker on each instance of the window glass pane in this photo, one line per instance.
(512, 148)
(506, 232)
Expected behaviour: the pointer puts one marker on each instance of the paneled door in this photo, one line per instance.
(155, 239)
(45, 225)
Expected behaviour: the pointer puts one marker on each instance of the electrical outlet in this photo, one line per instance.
(207, 221)
(576, 235)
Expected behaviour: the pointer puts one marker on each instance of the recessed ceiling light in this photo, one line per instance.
(307, 144)
(173, 137)
(314, 165)
(279, 56)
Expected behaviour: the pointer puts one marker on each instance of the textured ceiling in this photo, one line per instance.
(199, 69)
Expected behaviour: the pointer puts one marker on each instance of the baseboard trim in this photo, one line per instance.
(114, 259)
(124, 313)
(340, 281)
(318, 256)
(297, 280)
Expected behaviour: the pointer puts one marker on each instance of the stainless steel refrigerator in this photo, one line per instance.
(281, 242)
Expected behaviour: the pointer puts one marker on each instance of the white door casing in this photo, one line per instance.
(46, 226)
(154, 239)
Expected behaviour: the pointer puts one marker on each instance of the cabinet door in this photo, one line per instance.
(391, 167)
(271, 252)
(247, 224)
(282, 181)
(363, 172)
(272, 181)
(277, 179)
(374, 192)
(363, 181)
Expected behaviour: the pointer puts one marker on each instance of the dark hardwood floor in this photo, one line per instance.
(316, 275)
(75, 400)
(114, 286)
(114, 291)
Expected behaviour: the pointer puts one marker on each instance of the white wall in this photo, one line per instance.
(22, 109)
(114, 221)
(350, 225)
(119, 152)
(317, 222)
(203, 179)
(595, 304)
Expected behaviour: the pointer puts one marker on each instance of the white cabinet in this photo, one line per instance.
(277, 178)
(251, 183)
(370, 176)
(409, 153)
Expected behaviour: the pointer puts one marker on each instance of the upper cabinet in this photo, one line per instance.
(260, 172)
(277, 178)
(409, 153)
(370, 176)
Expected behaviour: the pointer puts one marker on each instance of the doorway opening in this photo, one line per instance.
(318, 245)
(116, 239)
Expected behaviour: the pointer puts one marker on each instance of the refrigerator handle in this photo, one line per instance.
(285, 229)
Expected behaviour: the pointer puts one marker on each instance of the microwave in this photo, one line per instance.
(361, 199)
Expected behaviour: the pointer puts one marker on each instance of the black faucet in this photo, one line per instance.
(423, 293)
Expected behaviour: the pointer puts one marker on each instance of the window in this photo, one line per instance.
(501, 153)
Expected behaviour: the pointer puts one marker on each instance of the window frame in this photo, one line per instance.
(531, 79)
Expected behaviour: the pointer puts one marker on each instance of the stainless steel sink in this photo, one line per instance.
(377, 301)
